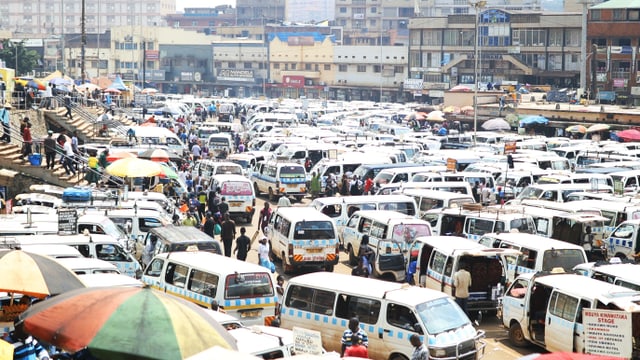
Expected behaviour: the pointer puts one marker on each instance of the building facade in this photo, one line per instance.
(205, 20)
(27, 19)
(514, 47)
(240, 67)
(372, 73)
(300, 64)
(614, 38)
(259, 12)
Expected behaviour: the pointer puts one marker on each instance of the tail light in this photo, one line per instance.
(337, 249)
(290, 250)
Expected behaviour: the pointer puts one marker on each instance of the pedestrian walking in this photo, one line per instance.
(223, 207)
(461, 285)
(227, 234)
(265, 216)
(6, 122)
(284, 201)
(93, 173)
(315, 185)
(50, 149)
(420, 351)
(67, 105)
(209, 224)
(347, 335)
(264, 255)
(190, 220)
(280, 293)
(67, 162)
(243, 245)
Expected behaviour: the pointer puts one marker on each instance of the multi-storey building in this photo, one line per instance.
(259, 12)
(305, 11)
(300, 64)
(206, 20)
(373, 73)
(614, 37)
(524, 47)
(45, 18)
(240, 67)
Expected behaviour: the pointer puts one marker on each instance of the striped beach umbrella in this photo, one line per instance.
(125, 323)
(35, 275)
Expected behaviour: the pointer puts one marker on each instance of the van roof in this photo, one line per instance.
(302, 213)
(457, 244)
(437, 194)
(57, 251)
(386, 215)
(109, 279)
(583, 285)
(86, 263)
(207, 260)
(261, 339)
(230, 177)
(177, 234)
(372, 288)
(532, 241)
(626, 271)
(64, 239)
(362, 199)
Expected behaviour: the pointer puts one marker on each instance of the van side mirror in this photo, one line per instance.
(417, 328)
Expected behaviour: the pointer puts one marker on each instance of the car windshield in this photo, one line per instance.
(441, 315)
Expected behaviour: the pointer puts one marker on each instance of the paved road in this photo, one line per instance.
(498, 347)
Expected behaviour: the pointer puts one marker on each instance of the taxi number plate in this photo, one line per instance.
(235, 203)
(253, 313)
(314, 250)
(292, 185)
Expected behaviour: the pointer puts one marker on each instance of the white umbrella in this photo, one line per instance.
(496, 124)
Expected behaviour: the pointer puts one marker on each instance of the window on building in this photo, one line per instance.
(342, 10)
(595, 14)
(316, 67)
(619, 14)
(248, 65)
(231, 65)
(555, 37)
(431, 38)
(276, 66)
(327, 67)
(376, 68)
(307, 67)
(398, 69)
(342, 68)
(572, 37)
(373, 10)
(294, 66)
(633, 14)
(362, 68)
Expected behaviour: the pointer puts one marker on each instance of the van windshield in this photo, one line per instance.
(441, 315)
(236, 188)
(562, 258)
(314, 230)
(248, 285)
(408, 232)
(110, 228)
(218, 142)
(229, 169)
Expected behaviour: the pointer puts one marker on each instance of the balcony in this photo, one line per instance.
(308, 74)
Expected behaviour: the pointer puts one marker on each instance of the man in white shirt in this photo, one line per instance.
(68, 158)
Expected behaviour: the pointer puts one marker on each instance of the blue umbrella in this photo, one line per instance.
(534, 120)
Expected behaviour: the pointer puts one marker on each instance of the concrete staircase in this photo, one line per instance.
(10, 159)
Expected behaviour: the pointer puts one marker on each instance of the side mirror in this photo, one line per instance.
(417, 328)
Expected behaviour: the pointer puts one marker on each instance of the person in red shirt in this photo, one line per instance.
(368, 184)
(356, 349)
(26, 140)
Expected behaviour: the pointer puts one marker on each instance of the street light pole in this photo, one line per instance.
(477, 5)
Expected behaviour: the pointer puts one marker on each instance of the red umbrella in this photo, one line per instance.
(460, 88)
(119, 155)
(629, 135)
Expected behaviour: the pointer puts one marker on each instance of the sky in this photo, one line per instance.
(181, 4)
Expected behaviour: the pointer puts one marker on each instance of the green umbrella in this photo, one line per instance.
(168, 172)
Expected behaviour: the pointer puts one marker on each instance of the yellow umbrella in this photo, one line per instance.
(577, 129)
(134, 167)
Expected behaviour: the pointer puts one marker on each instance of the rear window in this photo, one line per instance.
(562, 258)
(407, 208)
(236, 188)
(228, 169)
(408, 232)
(248, 285)
(292, 172)
(209, 246)
(313, 230)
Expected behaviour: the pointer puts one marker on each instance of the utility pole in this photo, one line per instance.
(84, 43)
(583, 45)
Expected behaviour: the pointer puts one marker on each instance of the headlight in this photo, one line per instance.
(437, 352)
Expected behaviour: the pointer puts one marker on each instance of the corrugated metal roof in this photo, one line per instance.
(618, 4)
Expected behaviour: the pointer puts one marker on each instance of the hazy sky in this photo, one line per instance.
(181, 4)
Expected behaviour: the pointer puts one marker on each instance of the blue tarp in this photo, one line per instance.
(118, 84)
(534, 120)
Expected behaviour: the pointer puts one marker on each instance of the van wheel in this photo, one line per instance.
(272, 196)
(328, 268)
(621, 256)
(397, 357)
(516, 336)
(274, 256)
(353, 260)
(255, 189)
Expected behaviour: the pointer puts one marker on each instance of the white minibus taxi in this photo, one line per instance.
(388, 312)
(549, 311)
(428, 199)
(614, 272)
(391, 236)
(243, 289)
(238, 193)
(278, 179)
(537, 253)
(154, 135)
(340, 208)
(441, 256)
(82, 266)
(624, 241)
(303, 237)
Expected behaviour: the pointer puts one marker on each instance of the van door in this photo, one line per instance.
(351, 235)
(513, 310)
(560, 322)
(401, 322)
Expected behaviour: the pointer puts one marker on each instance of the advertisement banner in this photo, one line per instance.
(294, 81)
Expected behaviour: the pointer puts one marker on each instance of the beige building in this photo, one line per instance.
(301, 64)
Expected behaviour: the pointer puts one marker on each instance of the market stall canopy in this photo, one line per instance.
(496, 124)
(534, 120)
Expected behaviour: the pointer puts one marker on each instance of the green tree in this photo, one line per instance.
(26, 59)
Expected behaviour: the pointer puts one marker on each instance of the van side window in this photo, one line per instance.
(379, 230)
(353, 222)
(365, 225)
(145, 224)
(401, 316)
(333, 211)
(155, 268)
(84, 250)
(367, 310)
(110, 252)
(203, 283)
(437, 262)
(584, 304)
(563, 306)
(284, 226)
(528, 258)
(479, 226)
(176, 275)
(309, 299)
(624, 231)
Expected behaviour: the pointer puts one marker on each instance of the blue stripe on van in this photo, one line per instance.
(316, 243)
